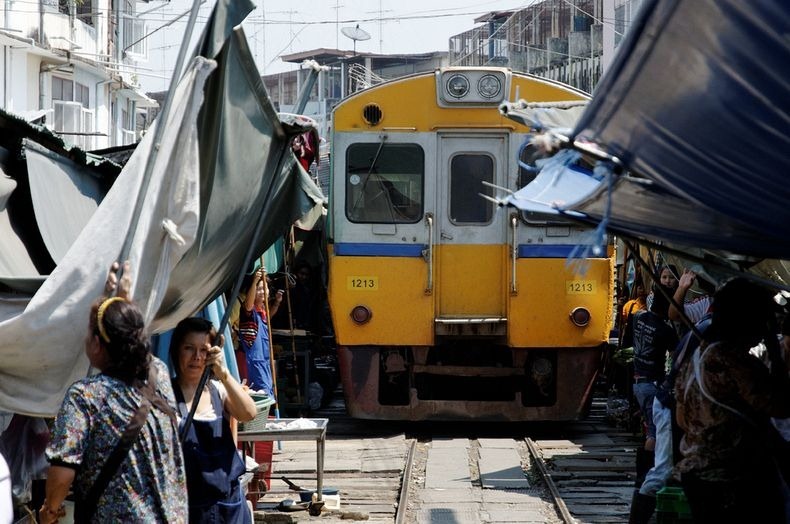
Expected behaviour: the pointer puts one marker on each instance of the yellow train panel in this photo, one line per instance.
(539, 315)
(397, 115)
(468, 284)
(394, 291)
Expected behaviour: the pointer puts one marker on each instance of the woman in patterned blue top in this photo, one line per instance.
(149, 484)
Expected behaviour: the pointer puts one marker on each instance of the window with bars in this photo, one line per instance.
(84, 11)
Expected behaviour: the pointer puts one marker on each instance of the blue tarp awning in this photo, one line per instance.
(696, 107)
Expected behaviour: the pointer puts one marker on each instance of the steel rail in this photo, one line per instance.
(403, 498)
(567, 518)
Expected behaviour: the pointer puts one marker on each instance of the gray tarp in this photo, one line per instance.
(245, 170)
(17, 269)
(43, 339)
(65, 196)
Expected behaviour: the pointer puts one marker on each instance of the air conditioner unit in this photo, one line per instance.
(74, 121)
(68, 117)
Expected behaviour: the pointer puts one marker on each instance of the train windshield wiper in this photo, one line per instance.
(384, 189)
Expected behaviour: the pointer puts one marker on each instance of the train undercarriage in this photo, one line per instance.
(467, 380)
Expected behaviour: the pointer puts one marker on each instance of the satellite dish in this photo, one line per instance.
(355, 34)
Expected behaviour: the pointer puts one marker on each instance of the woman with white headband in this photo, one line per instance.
(115, 440)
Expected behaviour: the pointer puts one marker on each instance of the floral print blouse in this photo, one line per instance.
(718, 444)
(150, 485)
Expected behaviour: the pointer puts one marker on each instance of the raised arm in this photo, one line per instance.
(238, 403)
(274, 303)
(249, 300)
(684, 284)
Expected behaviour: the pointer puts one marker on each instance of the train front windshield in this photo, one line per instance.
(384, 183)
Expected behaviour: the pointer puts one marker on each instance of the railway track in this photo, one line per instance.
(464, 473)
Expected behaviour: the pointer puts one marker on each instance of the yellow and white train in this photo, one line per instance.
(445, 306)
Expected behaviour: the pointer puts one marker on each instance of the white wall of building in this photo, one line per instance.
(79, 53)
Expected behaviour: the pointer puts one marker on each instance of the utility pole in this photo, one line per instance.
(337, 7)
(381, 12)
(263, 22)
(381, 32)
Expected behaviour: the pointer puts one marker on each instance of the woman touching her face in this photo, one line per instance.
(213, 465)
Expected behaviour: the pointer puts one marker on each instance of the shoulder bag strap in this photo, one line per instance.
(112, 464)
(128, 437)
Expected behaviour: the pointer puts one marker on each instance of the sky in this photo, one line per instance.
(278, 27)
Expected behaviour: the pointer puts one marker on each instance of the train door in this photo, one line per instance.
(470, 239)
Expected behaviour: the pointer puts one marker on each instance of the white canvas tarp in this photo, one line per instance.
(42, 340)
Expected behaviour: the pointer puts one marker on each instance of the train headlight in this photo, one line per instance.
(457, 86)
(361, 314)
(580, 316)
(489, 86)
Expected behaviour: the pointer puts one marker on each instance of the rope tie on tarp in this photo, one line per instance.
(593, 244)
(171, 229)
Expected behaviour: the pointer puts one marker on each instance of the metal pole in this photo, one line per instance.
(307, 88)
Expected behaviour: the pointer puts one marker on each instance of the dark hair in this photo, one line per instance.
(660, 304)
(742, 310)
(128, 349)
(672, 269)
(184, 328)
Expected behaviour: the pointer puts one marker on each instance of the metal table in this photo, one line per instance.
(317, 433)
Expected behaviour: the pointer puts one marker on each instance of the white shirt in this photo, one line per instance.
(205, 412)
(6, 507)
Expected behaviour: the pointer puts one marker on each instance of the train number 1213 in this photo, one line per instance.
(580, 287)
(358, 283)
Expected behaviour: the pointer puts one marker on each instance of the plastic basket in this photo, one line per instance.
(672, 506)
(262, 404)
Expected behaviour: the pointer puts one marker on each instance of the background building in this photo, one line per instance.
(571, 41)
(70, 65)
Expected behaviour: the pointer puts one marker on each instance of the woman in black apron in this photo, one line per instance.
(213, 464)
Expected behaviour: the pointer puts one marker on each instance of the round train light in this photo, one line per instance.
(361, 314)
(489, 86)
(457, 86)
(580, 316)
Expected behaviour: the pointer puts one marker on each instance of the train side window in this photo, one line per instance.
(385, 183)
(529, 155)
(467, 174)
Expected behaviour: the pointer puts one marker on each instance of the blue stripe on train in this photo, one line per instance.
(545, 251)
(359, 249)
(364, 249)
